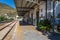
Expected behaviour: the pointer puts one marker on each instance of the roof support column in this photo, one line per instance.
(34, 17)
(31, 16)
(42, 10)
(26, 17)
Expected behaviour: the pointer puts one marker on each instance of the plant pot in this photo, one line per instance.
(38, 28)
(44, 32)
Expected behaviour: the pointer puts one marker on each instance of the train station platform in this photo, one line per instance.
(27, 32)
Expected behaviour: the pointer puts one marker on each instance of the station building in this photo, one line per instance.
(35, 10)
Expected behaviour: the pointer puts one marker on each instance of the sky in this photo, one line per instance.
(9, 2)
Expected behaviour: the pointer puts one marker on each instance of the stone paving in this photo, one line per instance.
(30, 33)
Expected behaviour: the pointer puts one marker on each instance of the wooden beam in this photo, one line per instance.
(26, 3)
(31, 4)
(22, 11)
(21, 3)
(34, 5)
(21, 14)
(24, 8)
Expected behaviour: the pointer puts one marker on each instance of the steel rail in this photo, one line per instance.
(8, 32)
(6, 26)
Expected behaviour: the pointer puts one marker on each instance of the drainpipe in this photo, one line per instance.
(53, 14)
(46, 9)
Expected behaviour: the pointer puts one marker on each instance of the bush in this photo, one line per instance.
(2, 18)
(45, 25)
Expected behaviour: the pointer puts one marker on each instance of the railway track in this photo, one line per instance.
(6, 30)
(2, 24)
(5, 25)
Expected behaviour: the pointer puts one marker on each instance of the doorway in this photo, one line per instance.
(37, 17)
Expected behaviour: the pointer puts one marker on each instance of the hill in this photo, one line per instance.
(7, 10)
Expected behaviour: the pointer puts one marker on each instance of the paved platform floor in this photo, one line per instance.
(27, 32)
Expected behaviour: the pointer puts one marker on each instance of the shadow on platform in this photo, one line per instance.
(24, 23)
(54, 36)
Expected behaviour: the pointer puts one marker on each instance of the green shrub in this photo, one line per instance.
(2, 18)
(45, 25)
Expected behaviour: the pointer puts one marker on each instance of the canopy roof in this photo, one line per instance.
(24, 6)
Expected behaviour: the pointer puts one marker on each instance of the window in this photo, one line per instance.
(41, 10)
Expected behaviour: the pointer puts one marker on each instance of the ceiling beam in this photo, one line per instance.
(30, 4)
(21, 14)
(22, 11)
(34, 5)
(24, 8)
(26, 3)
(21, 3)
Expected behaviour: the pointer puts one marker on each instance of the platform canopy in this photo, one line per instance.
(24, 6)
